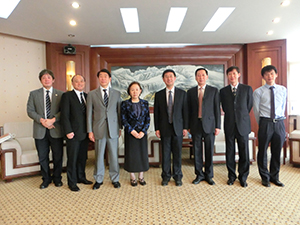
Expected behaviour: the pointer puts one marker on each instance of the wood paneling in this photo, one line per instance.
(56, 61)
(276, 50)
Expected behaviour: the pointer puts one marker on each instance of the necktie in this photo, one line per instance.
(200, 102)
(105, 97)
(170, 106)
(83, 106)
(234, 91)
(272, 103)
(48, 104)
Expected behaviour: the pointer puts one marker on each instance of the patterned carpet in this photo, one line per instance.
(22, 202)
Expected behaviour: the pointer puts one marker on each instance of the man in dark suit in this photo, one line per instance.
(43, 107)
(204, 123)
(237, 103)
(170, 121)
(73, 120)
(103, 126)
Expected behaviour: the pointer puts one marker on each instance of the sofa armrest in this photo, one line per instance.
(13, 144)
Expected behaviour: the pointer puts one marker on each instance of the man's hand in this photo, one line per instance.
(184, 132)
(217, 131)
(70, 135)
(157, 133)
(91, 136)
(48, 123)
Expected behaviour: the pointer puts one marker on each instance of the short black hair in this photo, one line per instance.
(232, 68)
(104, 71)
(132, 83)
(268, 68)
(168, 71)
(46, 71)
(201, 69)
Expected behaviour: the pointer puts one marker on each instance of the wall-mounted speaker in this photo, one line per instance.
(69, 50)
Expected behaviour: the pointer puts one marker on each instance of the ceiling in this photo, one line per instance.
(99, 21)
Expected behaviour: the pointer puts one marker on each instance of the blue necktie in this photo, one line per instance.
(83, 106)
(272, 103)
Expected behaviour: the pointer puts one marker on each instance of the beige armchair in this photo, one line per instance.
(294, 139)
(18, 155)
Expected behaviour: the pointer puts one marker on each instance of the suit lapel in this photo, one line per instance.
(99, 95)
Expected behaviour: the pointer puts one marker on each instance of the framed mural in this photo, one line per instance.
(150, 78)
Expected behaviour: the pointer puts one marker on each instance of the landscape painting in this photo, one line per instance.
(150, 78)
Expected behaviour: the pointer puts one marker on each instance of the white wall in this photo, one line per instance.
(21, 60)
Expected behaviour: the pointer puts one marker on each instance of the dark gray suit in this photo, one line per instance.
(45, 138)
(105, 123)
(237, 126)
(73, 119)
(171, 134)
(204, 128)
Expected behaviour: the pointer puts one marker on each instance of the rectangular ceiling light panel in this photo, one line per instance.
(6, 7)
(130, 19)
(175, 19)
(218, 18)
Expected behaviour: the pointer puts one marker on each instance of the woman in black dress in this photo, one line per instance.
(136, 121)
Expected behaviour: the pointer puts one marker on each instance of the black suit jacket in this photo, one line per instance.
(211, 115)
(73, 119)
(180, 115)
(237, 109)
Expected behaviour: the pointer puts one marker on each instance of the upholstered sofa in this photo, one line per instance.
(294, 139)
(154, 148)
(19, 155)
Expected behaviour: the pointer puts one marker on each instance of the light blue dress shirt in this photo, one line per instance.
(262, 101)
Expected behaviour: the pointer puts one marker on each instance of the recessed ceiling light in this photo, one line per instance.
(130, 19)
(72, 22)
(285, 3)
(175, 19)
(6, 7)
(75, 5)
(276, 20)
(71, 35)
(270, 32)
(218, 18)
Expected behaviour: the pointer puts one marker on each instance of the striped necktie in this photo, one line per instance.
(83, 106)
(105, 97)
(170, 106)
(48, 104)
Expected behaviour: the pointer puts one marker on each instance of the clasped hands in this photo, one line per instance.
(48, 123)
(137, 135)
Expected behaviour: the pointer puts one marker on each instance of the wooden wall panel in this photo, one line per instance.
(276, 50)
(56, 61)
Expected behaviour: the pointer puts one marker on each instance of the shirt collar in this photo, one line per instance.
(236, 86)
(172, 90)
(50, 90)
(202, 87)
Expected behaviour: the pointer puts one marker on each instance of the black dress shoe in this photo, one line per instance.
(142, 181)
(178, 183)
(265, 183)
(58, 183)
(210, 181)
(230, 182)
(277, 183)
(164, 182)
(243, 183)
(97, 185)
(116, 184)
(84, 181)
(198, 180)
(74, 188)
(44, 185)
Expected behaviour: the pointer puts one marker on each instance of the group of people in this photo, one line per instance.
(99, 117)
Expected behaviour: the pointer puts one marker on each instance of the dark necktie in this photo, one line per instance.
(200, 102)
(48, 104)
(272, 103)
(105, 97)
(234, 91)
(170, 106)
(83, 106)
